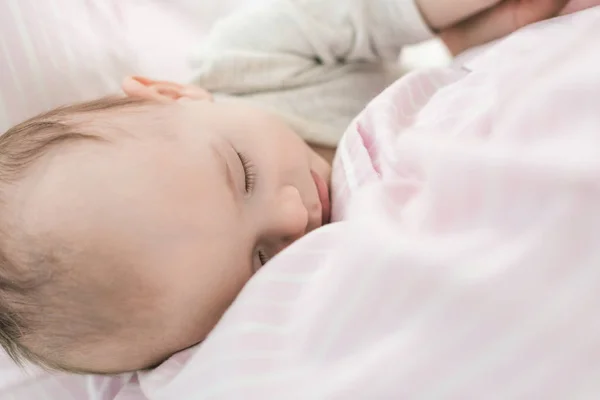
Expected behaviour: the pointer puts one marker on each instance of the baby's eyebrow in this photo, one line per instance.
(226, 169)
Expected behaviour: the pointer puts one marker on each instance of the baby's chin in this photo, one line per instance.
(321, 162)
(326, 154)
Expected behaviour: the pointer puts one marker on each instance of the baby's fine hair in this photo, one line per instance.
(28, 268)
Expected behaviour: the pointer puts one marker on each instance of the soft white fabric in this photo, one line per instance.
(55, 52)
(316, 63)
(163, 33)
(468, 264)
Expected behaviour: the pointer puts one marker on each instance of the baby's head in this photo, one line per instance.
(128, 226)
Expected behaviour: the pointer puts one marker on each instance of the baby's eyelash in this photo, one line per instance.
(249, 173)
(262, 257)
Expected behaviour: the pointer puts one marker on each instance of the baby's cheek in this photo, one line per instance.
(324, 155)
(221, 293)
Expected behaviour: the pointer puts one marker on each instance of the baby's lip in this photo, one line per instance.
(323, 191)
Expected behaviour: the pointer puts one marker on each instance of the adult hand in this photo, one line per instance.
(440, 14)
(499, 20)
(578, 5)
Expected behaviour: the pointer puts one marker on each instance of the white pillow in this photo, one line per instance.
(56, 52)
(52, 53)
(164, 32)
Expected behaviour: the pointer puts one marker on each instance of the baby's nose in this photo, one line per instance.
(289, 218)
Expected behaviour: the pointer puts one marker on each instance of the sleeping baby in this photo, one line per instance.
(129, 225)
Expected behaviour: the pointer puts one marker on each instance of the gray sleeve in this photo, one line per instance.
(285, 44)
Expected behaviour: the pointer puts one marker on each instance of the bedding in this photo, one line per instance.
(467, 264)
(54, 52)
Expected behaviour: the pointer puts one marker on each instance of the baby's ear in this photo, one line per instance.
(162, 91)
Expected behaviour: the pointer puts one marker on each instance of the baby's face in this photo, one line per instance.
(190, 205)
